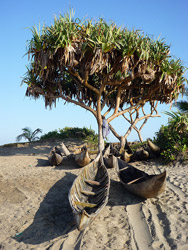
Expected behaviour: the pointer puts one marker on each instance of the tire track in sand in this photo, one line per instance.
(140, 234)
(177, 190)
(159, 226)
(71, 240)
(141, 231)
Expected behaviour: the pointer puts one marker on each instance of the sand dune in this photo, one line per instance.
(35, 212)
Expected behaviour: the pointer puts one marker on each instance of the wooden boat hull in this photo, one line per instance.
(154, 148)
(138, 182)
(89, 193)
(55, 157)
(82, 159)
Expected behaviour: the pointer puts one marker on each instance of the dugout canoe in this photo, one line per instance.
(89, 192)
(55, 157)
(139, 182)
(82, 158)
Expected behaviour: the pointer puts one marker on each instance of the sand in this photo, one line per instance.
(35, 212)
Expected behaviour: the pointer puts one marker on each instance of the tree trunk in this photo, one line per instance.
(114, 132)
(124, 145)
(140, 136)
(122, 142)
(100, 139)
(99, 122)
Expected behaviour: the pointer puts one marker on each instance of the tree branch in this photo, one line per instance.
(107, 112)
(84, 81)
(137, 119)
(114, 132)
(123, 111)
(118, 99)
(65, 98)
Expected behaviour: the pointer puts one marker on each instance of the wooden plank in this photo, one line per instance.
(92, 182)
(65, 149)
(131, 182)
(87, 192)
(84, 204)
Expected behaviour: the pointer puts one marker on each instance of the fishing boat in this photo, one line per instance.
(89, 192)
(153, 149)
(138, 182)
(82, 158)
(55, 157)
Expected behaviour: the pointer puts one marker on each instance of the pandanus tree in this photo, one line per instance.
(105, 69)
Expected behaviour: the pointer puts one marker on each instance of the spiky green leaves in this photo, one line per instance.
(120, 59)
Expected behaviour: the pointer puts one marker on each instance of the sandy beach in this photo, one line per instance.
(35, 211)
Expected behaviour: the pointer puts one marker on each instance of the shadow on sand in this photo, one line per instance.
(54, 216)
(36, 147)
(32, 149)
(67, 164)
(119, 196)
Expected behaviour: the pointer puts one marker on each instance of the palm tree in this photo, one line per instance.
(29, 135)
(178, 121)
(183, 105)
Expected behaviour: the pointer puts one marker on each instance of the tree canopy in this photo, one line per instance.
(97, 65)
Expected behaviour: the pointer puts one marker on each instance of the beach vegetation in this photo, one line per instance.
(84, 133)
(29, 135)
(173, 138)
(182, 106)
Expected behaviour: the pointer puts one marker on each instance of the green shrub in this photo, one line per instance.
(50, 135)
(173, 138)
(67, 132)
(137, 145)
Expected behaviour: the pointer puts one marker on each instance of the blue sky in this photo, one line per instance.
(165, 18)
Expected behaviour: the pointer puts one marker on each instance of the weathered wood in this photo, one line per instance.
(126, 156)
(83, 158)
(135, 180)
(92, 182)
(89, 192)
(155, 149)
(138, 182)
(65, 149)
(55, 157)
(84, 204)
